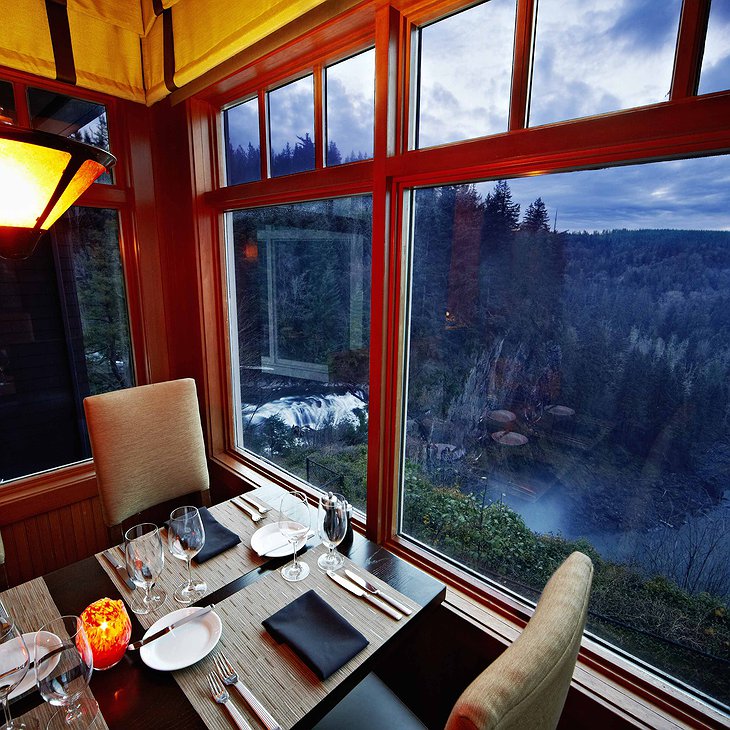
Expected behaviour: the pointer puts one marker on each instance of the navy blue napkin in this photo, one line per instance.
(317, 633)
(217, 537)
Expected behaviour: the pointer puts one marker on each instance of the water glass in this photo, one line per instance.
(14, 663)
(294, 521)
(145, 558)
(332, 522)
(64, 663)
(185, 539)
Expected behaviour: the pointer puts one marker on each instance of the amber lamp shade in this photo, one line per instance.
(41, 176)
(109, 629)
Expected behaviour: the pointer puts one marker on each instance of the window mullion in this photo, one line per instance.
(522, 65)
(320, 118)
(690, 47)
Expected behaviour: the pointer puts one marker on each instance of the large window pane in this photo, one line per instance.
(465, 73)
(79, 119)
(597, 56)
(569, 361)
(351, 109)
(715, 74)
(243, 151)
(63, 335)
(291, 127)
(300, 327)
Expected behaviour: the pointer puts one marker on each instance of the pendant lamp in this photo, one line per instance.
(41, 175)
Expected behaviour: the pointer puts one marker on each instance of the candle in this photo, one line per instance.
(109, 629)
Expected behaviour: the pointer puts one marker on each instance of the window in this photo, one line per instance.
(567, 390)
(300, 329)
(599, 56)
(291, 127)
(465, 70)
(79, 119)
(7, 101)
(550, 366)
(243, 152)
(715, 74)
(351, 109)
(63, 335)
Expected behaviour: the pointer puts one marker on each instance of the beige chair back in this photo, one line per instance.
(148, 448)
(526, 686)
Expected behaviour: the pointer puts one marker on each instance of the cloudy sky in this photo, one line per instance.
(591, 57)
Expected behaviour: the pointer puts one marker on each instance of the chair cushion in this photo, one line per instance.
(370, 706)
(148, 446)
(526, 686)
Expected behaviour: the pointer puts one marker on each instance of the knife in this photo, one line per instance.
(260, 505)
(249, 509)
(350, 586)
(120, 567)
(180, 622)
(370, 588)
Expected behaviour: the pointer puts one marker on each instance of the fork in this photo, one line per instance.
(221, 696)
(228, 675)
(255, 515)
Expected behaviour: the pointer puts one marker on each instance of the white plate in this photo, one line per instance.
(182, 646)
(270, 535)
(29, 680)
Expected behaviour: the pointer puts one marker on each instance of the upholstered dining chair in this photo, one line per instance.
(147, 444)
(523, 689)
(3, 574)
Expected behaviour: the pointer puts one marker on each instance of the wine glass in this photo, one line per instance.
(294, 521)
(64, 664)
(145, 558)
(14, 663)
(332, 522)
(185, 539)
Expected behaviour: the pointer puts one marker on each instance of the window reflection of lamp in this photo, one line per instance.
(41, 175)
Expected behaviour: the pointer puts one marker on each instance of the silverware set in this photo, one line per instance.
(359, 587)
(225, 675)
(252, 506)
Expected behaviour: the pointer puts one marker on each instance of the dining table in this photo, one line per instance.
(246, 589)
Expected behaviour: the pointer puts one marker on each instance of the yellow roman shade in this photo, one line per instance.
(125, 47)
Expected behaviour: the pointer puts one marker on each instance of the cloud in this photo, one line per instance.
(679, 194)
(646, 25)
(291, 113)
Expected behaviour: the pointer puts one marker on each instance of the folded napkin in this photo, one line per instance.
(217, 537)
(317, 633)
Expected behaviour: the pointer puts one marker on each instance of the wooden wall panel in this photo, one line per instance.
(46, 541)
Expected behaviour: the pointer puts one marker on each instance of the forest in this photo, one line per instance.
(585, 369)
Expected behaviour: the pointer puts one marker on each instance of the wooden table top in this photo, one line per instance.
(131, 695)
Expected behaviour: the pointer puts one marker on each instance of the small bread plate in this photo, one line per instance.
(269, 536)
(29, 681)
(184, 645)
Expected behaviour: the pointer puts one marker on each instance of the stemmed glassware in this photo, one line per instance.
(14, 663)
(294, 521)
(64, 664)
(332, 522)
(145, 558)
(185, 539)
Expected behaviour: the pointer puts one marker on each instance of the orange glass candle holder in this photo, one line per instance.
(109, 629)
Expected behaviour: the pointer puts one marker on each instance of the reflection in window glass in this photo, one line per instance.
(715, 74)
(597, 56)
(301, 321)
(465, 74)
(291, 127)
(567, 389)
(64, 335)
(78, 119)
(7, 102)
(243, 151)
(351, 109)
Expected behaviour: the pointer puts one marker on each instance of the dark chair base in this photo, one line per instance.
(370, 706)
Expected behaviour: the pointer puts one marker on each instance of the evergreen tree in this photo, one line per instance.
(536, 217)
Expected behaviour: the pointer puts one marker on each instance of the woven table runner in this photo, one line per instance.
(273, 672)
(31, 606)
(216, 572)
